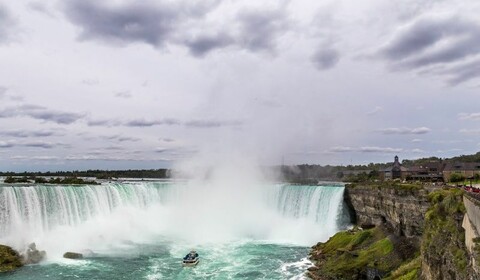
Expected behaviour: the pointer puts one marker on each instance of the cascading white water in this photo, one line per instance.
(61, 218)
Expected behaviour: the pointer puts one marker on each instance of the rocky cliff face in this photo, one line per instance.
(444, 253)
(400, 209)
(430, 219)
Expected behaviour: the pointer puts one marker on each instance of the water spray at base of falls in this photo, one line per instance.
(99, 218)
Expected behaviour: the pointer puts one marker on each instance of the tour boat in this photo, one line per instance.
(191, 259)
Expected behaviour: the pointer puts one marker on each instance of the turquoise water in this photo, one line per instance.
(142, 230)
(242, 260)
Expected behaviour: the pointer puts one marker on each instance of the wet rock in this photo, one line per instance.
(9, 259)
(32, 255)
(73, 255)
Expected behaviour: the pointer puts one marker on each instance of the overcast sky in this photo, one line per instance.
(144, 84)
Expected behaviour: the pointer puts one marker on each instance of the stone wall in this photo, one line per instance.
(471, 224)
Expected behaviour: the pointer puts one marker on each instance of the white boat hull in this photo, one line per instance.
(191, 262)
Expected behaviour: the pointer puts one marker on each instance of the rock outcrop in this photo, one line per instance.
(444, 253)
(399, 208)
(9, 259)
(73, 255)
(32, 255)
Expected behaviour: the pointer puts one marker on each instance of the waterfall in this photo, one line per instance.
(61, 218)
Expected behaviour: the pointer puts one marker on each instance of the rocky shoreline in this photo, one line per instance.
(401, 232)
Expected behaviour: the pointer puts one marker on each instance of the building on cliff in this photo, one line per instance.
(430, 171)
(433, 171)
(466, 169)
(396, 171)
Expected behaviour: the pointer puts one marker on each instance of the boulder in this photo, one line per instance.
(32, 255)
(9, 259)
(73, 255)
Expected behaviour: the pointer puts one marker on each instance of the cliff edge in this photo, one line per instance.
(403, 231)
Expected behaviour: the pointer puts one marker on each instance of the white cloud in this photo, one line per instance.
(405, 130)
(375, 110)
(469, 116)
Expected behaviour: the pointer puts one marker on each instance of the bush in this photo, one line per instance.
(457, 177)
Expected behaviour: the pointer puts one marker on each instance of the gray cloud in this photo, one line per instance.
(146, 123)
(41, 113)
(28, 133)
(142, 22)
(103, 122)
(439, 42)
(121, 138)
(35, 144)
(55, 116)
(260, 29)
(203, 44)
(123, 94)
(39, 144)
(6, 24)
(462, 73)
(135, 22)
(405, 130)
(8, 144)
(325, 59)
(211, 123)
(90, 82)
(342, 149)
(165, 121)
(161, 23)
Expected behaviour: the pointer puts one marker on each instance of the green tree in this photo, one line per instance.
(457, 177)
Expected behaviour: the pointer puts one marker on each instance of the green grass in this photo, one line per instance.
(407, 271)
(442, 234)
(348, 253)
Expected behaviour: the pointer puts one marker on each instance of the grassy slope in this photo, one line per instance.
(348, 253)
